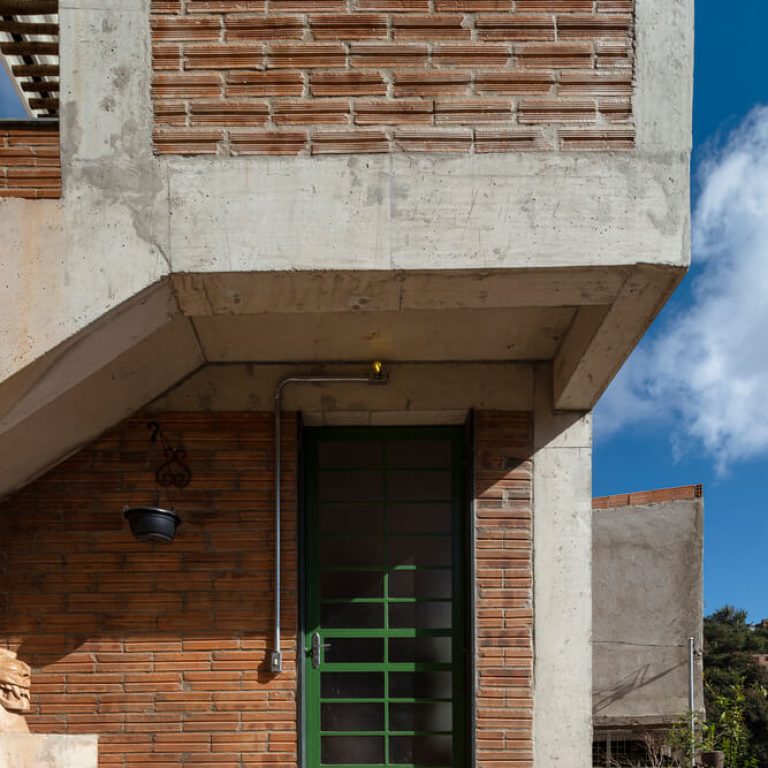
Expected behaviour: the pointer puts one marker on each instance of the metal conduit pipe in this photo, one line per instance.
(376, 375)
(692, 699)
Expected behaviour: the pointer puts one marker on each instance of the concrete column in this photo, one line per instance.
(562, 535)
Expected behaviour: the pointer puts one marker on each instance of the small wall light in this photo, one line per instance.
(377, 375)
(156, 524)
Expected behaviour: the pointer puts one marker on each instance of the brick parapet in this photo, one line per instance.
(657, 496)
(342, 76)
(30, 164)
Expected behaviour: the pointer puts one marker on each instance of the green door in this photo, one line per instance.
(385, 635)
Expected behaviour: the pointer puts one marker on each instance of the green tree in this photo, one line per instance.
(731, 671)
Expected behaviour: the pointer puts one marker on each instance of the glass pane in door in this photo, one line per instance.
(384, 622)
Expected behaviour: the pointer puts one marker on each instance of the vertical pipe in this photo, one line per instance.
(276, 658)
(692, 700)
(376, 376)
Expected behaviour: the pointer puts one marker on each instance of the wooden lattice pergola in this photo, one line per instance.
(29, 44)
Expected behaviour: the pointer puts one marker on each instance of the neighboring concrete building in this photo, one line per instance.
(647, 601)
(491, 196)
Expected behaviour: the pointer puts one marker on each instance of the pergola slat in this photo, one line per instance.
(47, 103)
(35, 70)
(46, 87)
(28, 7)
(29, 28)
(31, 48)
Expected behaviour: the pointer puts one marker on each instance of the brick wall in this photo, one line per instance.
(286, 77)
(160, 650)
(504, 562)
(29, 160)
(163, 650)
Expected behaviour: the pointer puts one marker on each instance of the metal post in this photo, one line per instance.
(692, 700)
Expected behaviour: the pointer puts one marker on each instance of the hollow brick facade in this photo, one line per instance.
(30, 165)
(286, 77)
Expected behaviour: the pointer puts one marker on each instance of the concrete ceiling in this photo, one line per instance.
(531, 333)
(585, 321)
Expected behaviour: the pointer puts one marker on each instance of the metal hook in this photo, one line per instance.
(155, 427)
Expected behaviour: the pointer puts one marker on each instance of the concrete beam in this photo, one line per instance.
(237, 293)
(427, 392)
(78, 415)
(602, 338)
(80, 357)
(511, 210)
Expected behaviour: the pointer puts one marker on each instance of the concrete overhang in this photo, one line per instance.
(584, 320)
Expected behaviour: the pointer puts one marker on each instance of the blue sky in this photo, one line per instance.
(9, 102)
(655, 428)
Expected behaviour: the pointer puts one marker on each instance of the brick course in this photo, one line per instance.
(162, 651)
(386, 63)
(30, 165)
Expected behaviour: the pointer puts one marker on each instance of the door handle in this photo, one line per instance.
(317, 647)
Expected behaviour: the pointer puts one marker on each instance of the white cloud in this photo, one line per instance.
(704, 371)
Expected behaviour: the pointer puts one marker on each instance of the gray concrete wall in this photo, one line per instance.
(38, 751)
(647, 602)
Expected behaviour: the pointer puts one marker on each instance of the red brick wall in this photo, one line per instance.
(160, 650)
(29, 160)
(163, 650)
(285, 77)
(504, 562)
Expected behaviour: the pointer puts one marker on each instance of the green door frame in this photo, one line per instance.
(310, 693)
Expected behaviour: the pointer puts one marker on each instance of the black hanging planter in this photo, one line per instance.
(152, 524)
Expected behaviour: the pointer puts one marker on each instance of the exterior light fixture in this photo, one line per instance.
(376, 375)
(153, 523)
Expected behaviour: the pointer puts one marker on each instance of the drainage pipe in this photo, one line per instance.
(376, 375)
(692, 699)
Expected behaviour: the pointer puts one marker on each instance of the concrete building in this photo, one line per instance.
(647, 598)
(491, 197)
